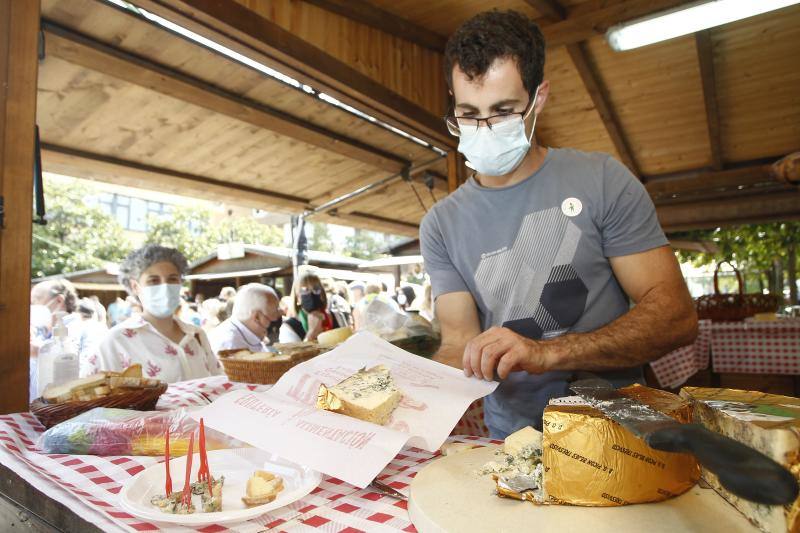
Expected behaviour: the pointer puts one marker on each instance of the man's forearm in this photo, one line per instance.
(650, 330)
(450, 354)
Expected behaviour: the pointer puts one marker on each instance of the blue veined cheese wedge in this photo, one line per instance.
(769, 423)
(369, 395)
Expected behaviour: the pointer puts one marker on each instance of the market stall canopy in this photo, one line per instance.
(92, 280)
(356, 93)
(262, 260)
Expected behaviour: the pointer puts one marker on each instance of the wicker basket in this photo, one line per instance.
(50, 414)
(734, 306)
(266, 372)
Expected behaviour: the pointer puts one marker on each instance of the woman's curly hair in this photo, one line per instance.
(497, 34)
(140, 260)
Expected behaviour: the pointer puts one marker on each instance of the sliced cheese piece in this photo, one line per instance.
(262, 487)
(518, 440)
(334, 336)
(768, 423)
(368, 395)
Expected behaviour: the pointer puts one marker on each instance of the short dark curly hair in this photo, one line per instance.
(495, 34)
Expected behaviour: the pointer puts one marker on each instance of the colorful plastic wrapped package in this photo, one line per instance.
(105, 431)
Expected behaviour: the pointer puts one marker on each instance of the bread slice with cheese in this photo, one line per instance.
(262, 487)
(369, 395)
(76, 387)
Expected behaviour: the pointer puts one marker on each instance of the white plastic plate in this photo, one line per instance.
(237, 466)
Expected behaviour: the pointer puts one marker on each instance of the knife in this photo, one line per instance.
(742, 470)
(387, 490)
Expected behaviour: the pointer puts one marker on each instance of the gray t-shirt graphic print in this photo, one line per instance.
(534, 256)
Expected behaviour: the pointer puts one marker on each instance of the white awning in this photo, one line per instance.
(393, 261)
(239, 274)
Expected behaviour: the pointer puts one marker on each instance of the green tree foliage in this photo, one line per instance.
(193, 231)
(764, 252)
(365, 244)
(77, 236)
(320, 239)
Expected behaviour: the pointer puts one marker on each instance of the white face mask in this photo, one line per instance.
(160, 300)
(498, 150)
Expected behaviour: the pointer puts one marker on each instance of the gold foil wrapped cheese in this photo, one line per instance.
(593, 461)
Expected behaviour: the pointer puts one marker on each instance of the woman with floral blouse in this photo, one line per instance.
(167, 349)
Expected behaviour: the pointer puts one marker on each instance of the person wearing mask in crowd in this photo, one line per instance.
(405, 297)
(227, 294)
(167, 348)
(92, 332)
(255, 308)
(118, 310)
(50, 300)
(357, 291)
(210, 311)
(311, 315)
(336, 302)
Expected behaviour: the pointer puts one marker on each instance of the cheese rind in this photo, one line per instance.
(368, 395)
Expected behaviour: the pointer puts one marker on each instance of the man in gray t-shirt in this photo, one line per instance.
(534, 259)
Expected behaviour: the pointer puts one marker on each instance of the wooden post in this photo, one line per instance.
(452, 171)
(19, 27)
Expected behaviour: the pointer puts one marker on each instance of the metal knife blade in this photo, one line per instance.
(634, 416)
(383, 488)
(742, 470)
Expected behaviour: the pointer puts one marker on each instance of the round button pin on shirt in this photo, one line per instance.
(571, 207)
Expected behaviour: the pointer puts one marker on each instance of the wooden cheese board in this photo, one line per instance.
(449, 495)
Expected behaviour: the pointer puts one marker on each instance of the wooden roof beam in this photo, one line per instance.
(549, 9)
(602, 103)
(247, 32)
(370, 15)
(705, 57)
(594, 18)
(101, 57)
(98, 167)
(709, 180)
(747, 209)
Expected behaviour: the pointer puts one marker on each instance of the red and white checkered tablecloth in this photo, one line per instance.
(89, 485)
(756, 347)
(676, 367)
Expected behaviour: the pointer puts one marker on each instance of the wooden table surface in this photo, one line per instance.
(24, 508)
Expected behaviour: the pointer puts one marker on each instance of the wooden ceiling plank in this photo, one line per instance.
(244, 31)
(97, 167)
(101, 57)
(549, 9)
(733, 211)
(708, 180)
(602, 103)
(379, 19)
(705, 57)
(586, 24)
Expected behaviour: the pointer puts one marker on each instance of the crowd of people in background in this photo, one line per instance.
(177, 336)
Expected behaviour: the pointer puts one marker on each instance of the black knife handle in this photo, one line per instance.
(742, 470)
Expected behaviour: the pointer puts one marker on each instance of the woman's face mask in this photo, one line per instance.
(161, 300)
(311, 299)
(498, 150)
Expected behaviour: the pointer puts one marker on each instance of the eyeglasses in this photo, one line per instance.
(455, 123)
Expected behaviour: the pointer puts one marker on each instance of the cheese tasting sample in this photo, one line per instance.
(262, 487)
(369, 395)
(768, 423)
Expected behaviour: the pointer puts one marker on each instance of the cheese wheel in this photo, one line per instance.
(591, 460)
(334, 336)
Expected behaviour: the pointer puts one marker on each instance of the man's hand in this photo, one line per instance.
(501, 350)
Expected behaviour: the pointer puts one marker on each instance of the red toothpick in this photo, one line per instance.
(186, 498)
(204, 474)
(166, 463)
